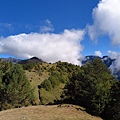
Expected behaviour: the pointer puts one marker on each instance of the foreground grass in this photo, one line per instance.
(41, 112)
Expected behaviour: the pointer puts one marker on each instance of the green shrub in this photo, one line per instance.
(47, 85)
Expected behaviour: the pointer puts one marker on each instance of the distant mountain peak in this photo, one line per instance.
(34, 58)
(109, 62)
(31, 60)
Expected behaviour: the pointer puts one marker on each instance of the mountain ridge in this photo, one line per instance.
(109, 62)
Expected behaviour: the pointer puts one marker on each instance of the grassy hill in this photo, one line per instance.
(37, 76)
(54, 112)
(42, 71)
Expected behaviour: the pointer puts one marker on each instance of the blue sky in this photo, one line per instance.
(63, 14)
(56, 20)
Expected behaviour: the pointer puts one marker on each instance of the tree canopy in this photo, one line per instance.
(91, 87)
(15, 89)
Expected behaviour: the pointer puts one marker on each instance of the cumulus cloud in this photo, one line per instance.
(48, 46)
(106, 18)
(98, 53)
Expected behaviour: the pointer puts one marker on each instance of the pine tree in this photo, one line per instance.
(17, 88)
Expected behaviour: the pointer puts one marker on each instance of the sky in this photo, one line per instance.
(54, 30)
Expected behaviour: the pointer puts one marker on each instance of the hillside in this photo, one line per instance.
(35, 82)
(36, 77)
(46, 113)
(58, 72)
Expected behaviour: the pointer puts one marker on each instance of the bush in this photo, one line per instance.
(46, 85)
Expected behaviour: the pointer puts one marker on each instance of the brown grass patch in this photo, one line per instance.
(41, 112)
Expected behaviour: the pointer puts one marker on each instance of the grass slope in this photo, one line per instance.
(64, 112)
(36, 77)
(42, 71)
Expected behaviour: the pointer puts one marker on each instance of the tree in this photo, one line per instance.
(91, 87)
(4, 68)
(112, 111)
(18, 91)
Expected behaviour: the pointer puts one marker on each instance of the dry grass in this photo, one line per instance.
(46, 113)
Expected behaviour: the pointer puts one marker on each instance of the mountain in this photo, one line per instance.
(109, 62)
(20, 61)
(106, 59)
(31, 60)
(10, 59)
(89, 58)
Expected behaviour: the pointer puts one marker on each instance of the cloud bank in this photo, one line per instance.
(106, 18)
(48, 46)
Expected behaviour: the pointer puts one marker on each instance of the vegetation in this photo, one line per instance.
(91, 86)
(15, 90)
(112, 110)
(51, 88)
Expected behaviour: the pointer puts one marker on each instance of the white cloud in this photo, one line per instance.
(46, 27)
(113, 54)
(117, 62)
(116, 56)
(106, 18)
(98, 53)
(48, 46)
